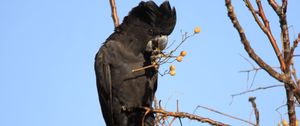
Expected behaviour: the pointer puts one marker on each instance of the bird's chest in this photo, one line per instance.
(132, 80)
(127, 67)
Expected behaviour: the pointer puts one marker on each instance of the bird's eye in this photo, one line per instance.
(151, 31)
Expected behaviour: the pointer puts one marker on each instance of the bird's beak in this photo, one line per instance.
(159, 42)
(162, 42)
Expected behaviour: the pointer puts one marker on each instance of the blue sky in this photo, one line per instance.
(47, 52)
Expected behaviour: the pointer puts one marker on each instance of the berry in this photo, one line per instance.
(172, 72)
(197, 30)
(172, 67)
(179, 58)
(183, 53)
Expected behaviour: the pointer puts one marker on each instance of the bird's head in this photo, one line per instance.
(157, 23)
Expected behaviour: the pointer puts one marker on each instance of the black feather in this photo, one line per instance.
(124, 50)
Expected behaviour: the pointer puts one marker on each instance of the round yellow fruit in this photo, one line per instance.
(284, 123)
(172, 68)
(197, 30)
(172, 72)
(183, 53)
(179, 58)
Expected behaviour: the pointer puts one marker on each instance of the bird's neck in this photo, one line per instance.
(135, 41)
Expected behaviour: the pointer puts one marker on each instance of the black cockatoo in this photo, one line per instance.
(130, 47)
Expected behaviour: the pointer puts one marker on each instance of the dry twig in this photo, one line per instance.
(266, 29)
(187, 115)
(285, 60)
(247, 45)
(224, 114)
(164, 114)
(256, 89)
(114, 14)
(163, 57)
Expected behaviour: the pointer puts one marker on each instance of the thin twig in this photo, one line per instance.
(255, 69)
(184, 37)
(295, 45)
(177, 110)
(294, 73)
(180, 115)
(254, 76)
(261, 13)
(256, 89)
(164, 58)
(248, 71)
(174, 118)
(277, 110)
(143, 68)
(146, 113)
(253, 66)
(221, 113)
(253, 12)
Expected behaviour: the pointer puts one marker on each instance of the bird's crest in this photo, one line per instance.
(162, 18)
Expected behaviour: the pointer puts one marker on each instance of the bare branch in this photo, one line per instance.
(261, 13)
(266, 29)
(164, 114)
(287, 52)
(253, 66)
(294, 73)
(143, 68)
(162, 57)
(274, 5)
(114, 14)
(256, 89)
(253, 12)
(247, 46)
(255, 69)
(174, 118)
(230, 116)
(290, 86)
(284, 6)
(295, 45)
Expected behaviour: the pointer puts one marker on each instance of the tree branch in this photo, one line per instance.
(247, 46)
(295, 45)
(114, 14)
(285, 61)
(230, 116)
(274, 5)
(256, 89)
(164, 113)
(266, 29)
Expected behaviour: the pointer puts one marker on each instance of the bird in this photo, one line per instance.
(132, 45)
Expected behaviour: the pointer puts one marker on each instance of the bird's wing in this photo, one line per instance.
(104, 86)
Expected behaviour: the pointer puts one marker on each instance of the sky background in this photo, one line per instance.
(47, 50)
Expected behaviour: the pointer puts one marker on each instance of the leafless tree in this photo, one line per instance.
(287, 72)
